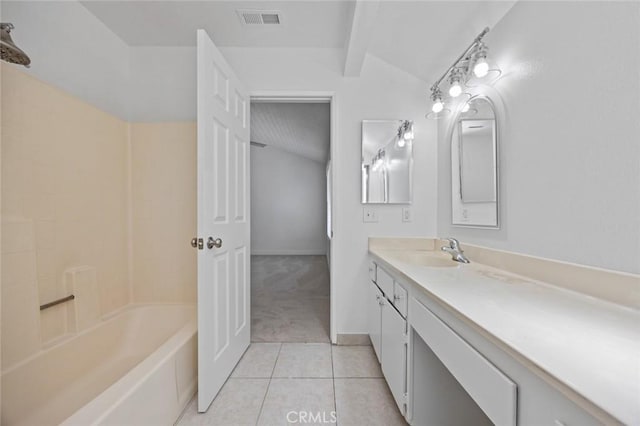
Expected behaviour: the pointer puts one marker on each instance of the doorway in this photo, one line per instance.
(290, 219)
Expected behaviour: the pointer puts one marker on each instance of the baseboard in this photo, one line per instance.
(311, 252)
(353, 339)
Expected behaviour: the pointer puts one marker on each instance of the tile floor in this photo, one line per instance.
(291, 368)
(276, 380)
(289, 299)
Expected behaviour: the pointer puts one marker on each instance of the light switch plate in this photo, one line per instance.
(369, 215)
(406, 214)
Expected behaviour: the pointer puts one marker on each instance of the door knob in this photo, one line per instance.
(197, 243)
(211, 243)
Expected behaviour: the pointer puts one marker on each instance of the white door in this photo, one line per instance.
(223, 220)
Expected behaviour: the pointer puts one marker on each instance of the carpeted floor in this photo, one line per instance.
(289, 299)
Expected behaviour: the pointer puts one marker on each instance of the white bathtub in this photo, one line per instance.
(137, 367)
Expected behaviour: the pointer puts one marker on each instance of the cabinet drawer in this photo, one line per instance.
(385, 282)
(372, 271)
(494, 392)
(400, 298)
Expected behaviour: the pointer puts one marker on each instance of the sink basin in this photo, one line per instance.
(429, 259)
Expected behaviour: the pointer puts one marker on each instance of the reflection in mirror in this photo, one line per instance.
(386, 161)
(474, 145)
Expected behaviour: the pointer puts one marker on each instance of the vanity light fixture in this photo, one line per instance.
(456, 87)
(378, 160)
(436, 97)
(481, 67)
(466, 70)
(405, 133)
(407, 130)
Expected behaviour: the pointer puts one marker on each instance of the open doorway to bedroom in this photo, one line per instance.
(290, 219)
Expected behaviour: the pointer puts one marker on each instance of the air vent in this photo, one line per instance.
(259, 17)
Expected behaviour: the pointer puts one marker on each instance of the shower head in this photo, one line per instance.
(8, 50)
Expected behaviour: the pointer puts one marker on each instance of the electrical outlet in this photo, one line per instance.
(369, 215)
(406, 214)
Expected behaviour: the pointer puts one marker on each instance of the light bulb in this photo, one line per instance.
(465, 108)
(455, 90)
(481, 68)
(408, 135)
(437, 106)
(401, 142)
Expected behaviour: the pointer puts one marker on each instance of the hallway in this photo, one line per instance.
(289, 299)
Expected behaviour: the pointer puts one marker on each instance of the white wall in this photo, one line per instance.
(163, 84)
(73, 50)
(381, 92)
(288, 203)
(161, 89)
(570, 152)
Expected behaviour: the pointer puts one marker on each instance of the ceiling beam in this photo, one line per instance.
(359, 36)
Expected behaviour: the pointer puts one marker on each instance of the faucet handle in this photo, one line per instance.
(453, 243)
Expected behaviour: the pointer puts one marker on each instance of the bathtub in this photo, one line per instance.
(136, 367)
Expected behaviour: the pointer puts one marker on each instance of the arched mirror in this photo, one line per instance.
(474, 165)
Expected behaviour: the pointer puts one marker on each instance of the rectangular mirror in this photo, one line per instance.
(474, 168)
(386, 169)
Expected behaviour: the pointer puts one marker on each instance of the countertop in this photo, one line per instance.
(590, 345)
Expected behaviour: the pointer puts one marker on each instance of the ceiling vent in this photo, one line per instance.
(260, 17)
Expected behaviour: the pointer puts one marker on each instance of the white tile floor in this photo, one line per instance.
(276, 380)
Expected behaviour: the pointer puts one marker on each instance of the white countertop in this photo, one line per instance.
(591, 346)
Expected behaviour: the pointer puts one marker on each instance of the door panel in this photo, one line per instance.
(374, 299)
(241, 172)
(394, 353)
(220, 171)
(223, 213)
(241, 289)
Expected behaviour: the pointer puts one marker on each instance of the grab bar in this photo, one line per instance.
(57, 302)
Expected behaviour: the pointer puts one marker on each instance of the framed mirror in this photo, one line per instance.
(387, 161)
(474, 165)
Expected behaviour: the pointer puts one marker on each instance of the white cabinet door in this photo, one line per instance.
(385, 282)
(374, 300)
(400, 298)
(394, 353)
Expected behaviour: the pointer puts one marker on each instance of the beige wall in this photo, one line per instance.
(164, 214)
(64, 186)
(68, 170)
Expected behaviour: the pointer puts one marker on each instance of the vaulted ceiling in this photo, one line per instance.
(420, 37)
(174, 23)
(301, 129)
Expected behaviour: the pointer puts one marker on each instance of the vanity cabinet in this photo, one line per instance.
(447, 356)
(388, 333)
(374, 308)
(469, 367)
(394, 353)
(445, 369)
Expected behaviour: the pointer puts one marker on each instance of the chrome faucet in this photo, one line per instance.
(455, 251)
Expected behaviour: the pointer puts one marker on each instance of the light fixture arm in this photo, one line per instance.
(475, 42)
